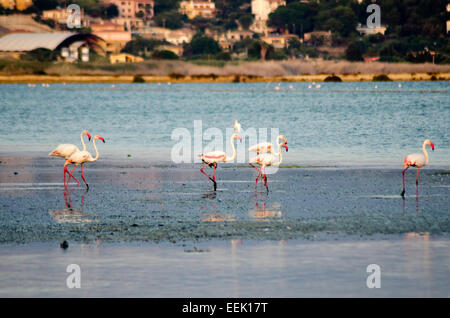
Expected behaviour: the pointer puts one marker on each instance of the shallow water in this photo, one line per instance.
(334, 124)
(416, 265)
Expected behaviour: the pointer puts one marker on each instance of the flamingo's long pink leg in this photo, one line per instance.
(259, 173)
(214, 176)
(403, 175)
(265, 178)
(71, 176)
(82, 177)
(67, 171)
(417, 181)
(204, 166)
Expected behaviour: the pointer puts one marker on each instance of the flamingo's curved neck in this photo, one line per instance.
(277, 153)
(82, 142)
(96, 151)
(425, 153)
(234, 151)
(280, 154)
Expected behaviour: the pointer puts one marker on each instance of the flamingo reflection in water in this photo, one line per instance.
(70, 214)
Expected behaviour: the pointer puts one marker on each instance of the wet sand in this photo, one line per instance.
(162, 202)
(105, 78)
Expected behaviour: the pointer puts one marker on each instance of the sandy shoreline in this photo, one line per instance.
(422, 76)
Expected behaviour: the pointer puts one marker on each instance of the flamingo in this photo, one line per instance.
(417, 160)
(214, 157)
(66, 150)
(266, 147)
(81, 157)
(265, 160)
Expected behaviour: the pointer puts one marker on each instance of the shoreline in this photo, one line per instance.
(212, 78)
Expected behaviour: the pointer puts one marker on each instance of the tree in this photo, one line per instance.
(40, 54)
(139, 46)
(112, 11)
(246, 21)
(296, 16)
(170, 19)
(166, 5)
(42, 5)
(353, 52)
(201, 44)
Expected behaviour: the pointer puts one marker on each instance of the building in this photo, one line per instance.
(114, 35)
(279, 41)
(124, 58)
(180, 36)
(365, 30)
(60, 16)
(227, 39)
(194, 8)
(261, 10)
(142, 9)
(175, 37)
(448, 21)
(15, 44)
(16, 4)
(133, 14)
(176, 49)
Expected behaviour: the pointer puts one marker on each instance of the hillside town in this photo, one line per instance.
(123, 31)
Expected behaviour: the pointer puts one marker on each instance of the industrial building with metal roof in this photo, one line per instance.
(23, 42)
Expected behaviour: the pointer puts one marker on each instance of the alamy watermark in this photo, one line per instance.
(74, 19)
(374, 279)
(74, 279)
(373, 20)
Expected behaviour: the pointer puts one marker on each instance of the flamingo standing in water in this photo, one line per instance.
(417, 160)
(80, 157)
(265, 160)
(212, 158)
(66, 150)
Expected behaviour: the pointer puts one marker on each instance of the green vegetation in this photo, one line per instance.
(381, 78)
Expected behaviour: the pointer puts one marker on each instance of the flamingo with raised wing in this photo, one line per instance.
(66, 150)
(81, 157)
(212, 158)
(417, 160)
(265, 160)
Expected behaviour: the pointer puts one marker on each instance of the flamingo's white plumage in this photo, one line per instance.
(266, 147)
(66, 150)
(417, 160)
(81, 157)
(212, 158)
(265, 160)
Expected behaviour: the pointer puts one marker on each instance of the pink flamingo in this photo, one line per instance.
(417, 160)
(266, 147)
(66, 150)
(265, 160)
(212, 158)
(81, 157)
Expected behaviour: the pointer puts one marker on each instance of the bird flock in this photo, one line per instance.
(266, 156)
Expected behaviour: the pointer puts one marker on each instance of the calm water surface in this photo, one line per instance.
(340, 123)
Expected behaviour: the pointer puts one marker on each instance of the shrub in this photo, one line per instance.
(138, 79)
(333, 78)
(381, 78)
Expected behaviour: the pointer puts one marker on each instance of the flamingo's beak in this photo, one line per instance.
(89, 136)
(286, 147)
(101, 138)
(239, 137)
(432, 146)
